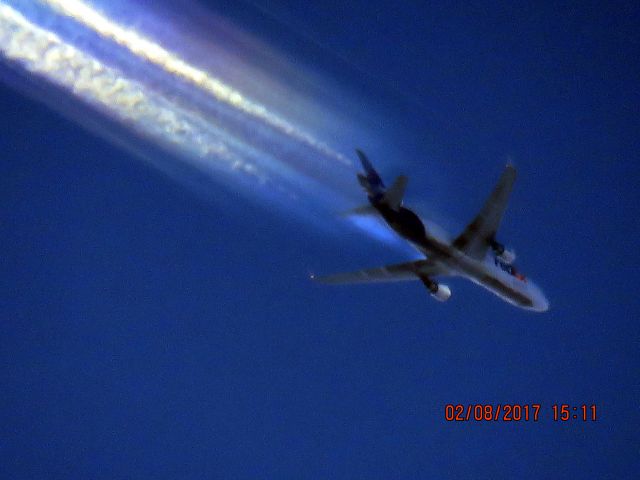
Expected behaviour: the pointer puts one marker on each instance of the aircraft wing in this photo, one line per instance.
(476, 237)
(391, 273)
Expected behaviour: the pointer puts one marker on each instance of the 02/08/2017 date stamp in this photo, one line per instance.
(516, 412)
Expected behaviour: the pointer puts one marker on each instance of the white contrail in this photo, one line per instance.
(151, 51)
(44, 53)
(211, 127)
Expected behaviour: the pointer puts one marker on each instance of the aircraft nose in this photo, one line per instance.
(540, 302)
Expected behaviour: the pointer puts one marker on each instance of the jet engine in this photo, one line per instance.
(437, 291)
(442, 294)
(507, 256)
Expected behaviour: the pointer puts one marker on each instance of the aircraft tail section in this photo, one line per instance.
(375, 187)
(394, 195)
(371, 181)
(362, 211)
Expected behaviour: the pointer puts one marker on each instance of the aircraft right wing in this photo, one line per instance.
(391, 273)
(476, 239)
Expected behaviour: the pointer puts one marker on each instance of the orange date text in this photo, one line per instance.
(508, 412)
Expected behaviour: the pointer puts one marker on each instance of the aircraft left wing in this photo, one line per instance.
(476, 238)
(391, 273)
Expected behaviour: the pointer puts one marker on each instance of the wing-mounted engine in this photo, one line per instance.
(507, 256)
(442, 293)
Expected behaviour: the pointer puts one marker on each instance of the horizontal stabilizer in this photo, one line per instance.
(360, 211)
(394, 195)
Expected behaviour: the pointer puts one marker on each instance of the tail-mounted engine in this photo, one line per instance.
(442, 293)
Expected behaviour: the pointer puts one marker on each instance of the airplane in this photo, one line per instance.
(475, 254)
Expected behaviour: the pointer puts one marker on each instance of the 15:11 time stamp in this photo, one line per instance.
(515, 412)
(566, 412)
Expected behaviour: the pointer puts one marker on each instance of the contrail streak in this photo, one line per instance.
(147, 49)
(209, 125)
(44, 53)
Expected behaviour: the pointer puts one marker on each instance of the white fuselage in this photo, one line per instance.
(515, 289)
(487, 273)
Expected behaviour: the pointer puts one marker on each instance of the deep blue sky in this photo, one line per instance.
(148, 333)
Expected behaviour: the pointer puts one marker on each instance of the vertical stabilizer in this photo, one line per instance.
(374, 185)
(371, 181)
